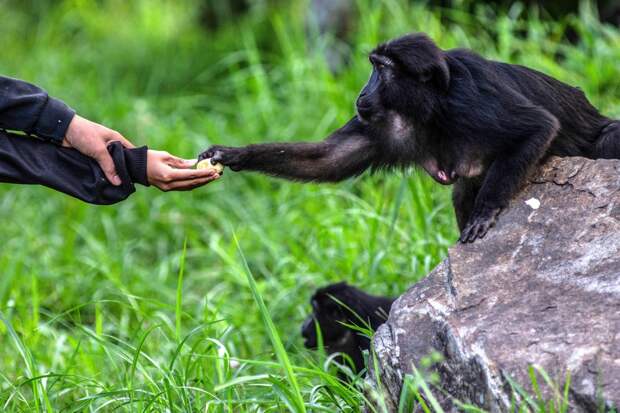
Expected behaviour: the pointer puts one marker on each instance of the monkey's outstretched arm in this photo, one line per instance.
(347, 152)
(535, 128)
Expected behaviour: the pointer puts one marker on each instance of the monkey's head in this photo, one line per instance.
(328, 314)
(409, 75)
(335, 308)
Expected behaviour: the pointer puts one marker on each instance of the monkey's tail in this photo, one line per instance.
(608, 142)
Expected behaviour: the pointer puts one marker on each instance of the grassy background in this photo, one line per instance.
(103, 308)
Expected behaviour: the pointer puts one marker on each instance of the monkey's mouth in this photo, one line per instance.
(364, 112)
(441, 175)
(444, 177)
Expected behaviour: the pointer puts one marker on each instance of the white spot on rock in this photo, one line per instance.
(533, 203)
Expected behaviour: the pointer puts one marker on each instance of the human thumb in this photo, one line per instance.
(107, 165)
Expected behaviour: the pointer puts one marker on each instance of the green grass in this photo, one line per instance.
(149, 305)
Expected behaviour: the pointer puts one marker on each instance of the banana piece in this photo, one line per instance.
(207, 164)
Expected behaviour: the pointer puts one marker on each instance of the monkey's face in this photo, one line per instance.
(374, 100)
(328, 316)
(383, 97)
(393, 100)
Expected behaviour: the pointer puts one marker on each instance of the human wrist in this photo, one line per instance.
(137, 164)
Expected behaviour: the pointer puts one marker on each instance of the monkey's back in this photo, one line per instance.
(580, 122)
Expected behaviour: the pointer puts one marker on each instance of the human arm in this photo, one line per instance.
(28, 108)
(24, 160)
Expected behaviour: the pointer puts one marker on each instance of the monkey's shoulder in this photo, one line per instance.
(512, 75)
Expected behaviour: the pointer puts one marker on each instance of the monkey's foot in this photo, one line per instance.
(234, 158)
(479, 224)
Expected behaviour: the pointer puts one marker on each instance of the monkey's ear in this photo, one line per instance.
(438, 73)
(421, 58)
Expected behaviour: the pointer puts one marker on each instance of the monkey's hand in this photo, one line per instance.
(234, 158)
(479, 223)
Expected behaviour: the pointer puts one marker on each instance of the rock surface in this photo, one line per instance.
(542, 288)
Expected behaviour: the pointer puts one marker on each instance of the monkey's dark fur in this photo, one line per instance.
(480, 124)
(339, 304)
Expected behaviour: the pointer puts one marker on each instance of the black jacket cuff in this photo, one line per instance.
(136, 164)
(53, 120)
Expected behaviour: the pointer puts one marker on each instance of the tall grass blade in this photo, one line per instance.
(274, 337)
(179, 297)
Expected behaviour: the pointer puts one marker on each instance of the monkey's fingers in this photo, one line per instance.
(471, 233)
(466, 234)
(478, 226)
(484, 228)
(233, 158)
(224, 157)
(212, 152)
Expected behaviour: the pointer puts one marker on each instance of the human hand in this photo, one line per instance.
(92, 140)
(169, 173)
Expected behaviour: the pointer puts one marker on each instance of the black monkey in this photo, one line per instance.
(338, 304)
(480, 124)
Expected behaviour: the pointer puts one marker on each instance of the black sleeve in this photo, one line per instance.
(28, 108)
(24, 160)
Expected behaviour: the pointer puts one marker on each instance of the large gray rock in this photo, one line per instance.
(542, 288)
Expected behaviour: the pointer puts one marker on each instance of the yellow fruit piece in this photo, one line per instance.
(207, 164)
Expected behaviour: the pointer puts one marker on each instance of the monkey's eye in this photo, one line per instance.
(379, 62)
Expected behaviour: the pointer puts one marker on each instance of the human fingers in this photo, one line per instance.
(180, 163)
(191, 183)
(115, 136)
(174, 174)
(106, 163)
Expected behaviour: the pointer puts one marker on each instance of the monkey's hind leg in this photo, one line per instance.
(608, 143)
